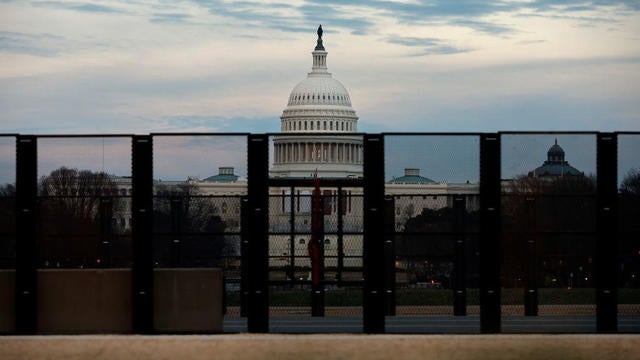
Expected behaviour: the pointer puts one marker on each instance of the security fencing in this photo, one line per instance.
(397, 232)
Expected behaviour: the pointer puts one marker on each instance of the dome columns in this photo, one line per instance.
(328, 152)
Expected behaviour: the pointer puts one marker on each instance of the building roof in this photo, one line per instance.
(555, 164)
(411, 176)
(225, 174)
(223, 177)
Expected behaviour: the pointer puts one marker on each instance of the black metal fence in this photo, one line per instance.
(482, 232)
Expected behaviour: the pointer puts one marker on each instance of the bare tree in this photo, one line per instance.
(183, 211)
(631, 183)
(555, 213)
(76, 193)
(70, 226)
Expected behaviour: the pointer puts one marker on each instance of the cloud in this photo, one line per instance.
(428, 45)
(44, 45)
(214, 123)
(78, 6)
(485, 27)
(171, 18)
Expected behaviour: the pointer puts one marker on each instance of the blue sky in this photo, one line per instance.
(151, 66)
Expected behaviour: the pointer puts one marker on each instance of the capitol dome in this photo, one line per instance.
(318, 104)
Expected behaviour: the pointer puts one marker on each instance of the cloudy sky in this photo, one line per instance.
(411, 65)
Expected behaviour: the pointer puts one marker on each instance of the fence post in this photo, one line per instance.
(106, 231)
(531, 246)
(175, 246)
(606, 229)
(340, 235)
(257, 263)
(460, 275)
(26, 255)
(244, 256)
(373, 248)
(390, 256)
(490, 233)
(142, 203)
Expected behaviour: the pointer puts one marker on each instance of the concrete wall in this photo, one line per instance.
(80, 301)
(188, 300)
(84, 301)
(7, 301)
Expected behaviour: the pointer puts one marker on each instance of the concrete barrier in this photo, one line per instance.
(84, 301)
(75, 301)
(7, 301)
(188, 300)
(325, 347)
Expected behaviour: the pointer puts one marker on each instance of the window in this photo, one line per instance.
(301, 241)
(312, 125)
(327, 242)
(325, 125)
(305, 125)
(331, 125)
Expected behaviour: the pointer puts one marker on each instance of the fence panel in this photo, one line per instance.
(432, 183)
(7, 232)
(549, 232)
(628, 231)
(83, 234)
(199, 185)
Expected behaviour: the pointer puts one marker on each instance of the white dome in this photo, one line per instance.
(320, 89)
(320, 105)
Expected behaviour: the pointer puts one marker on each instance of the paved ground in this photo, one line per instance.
(438, 324)
(325, 347)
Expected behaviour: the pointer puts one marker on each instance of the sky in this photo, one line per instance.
(77, 67)
(153, 66)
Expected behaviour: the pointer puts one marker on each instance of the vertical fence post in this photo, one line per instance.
(26, 266)
(373, 248)
(257, 261)
(142, 202)
(244, 255)
(317, 290)
(106, 231)
(531, 246)
(175, 246)
(490, 233)
(340, 236)
(390, 256)
(291, 273)
(606, 240)
(460, 275)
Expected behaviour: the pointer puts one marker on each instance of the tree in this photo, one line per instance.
(7, 225)
(182, 212)
(556, 214)
(428, 241)
(71, 222)
(629, 230)
(631, 183)
(7, 190)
